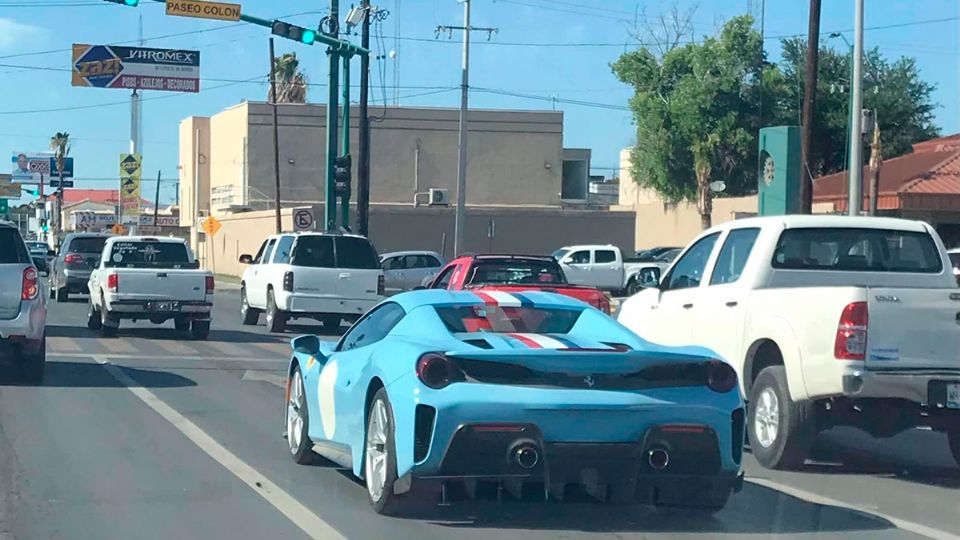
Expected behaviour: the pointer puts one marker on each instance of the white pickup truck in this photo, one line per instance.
(828, 320)
(605, 267)
(149, 278)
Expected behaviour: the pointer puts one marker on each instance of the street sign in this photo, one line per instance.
(118, 229)
(210, 225)
(303, 219)
(56, 183)
(204, 10)
(130, 186)
(29, 166)
(67, 168)
(141, 68)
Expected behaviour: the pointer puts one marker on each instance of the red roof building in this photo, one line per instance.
(924, 184)
(102, 196)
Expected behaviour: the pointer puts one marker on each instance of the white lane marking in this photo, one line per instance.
(64, 344)
(117, 345)
(328, 411)
(228, 349)
(815, 498)
(258, 375)
(300, 515)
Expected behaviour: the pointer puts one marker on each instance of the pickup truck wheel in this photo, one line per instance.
(249, 316)
(93, 316)
(63, 294)
(633, 287)
(200, 330)
(35, 364)
(331, 322)
(108, 324)
(276, 319)
(954, 437)
(781, 430)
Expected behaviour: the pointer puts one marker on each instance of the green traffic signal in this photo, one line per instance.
(308, 36)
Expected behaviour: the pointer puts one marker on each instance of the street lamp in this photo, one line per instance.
(846, 150)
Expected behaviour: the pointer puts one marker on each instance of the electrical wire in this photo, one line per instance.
(578, 102)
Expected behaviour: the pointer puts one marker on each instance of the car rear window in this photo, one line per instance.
(12, 249)
(857, 250)
(87, 244)
(351, 252)
(510, 272)
(955, 259)
(148, 255)
(358, 253)
(313, 252)
(505, 320)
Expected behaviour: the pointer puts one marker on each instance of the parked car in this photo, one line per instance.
(604, 267)
(329, 277)
(406, 270)
(148, 278)
(23, 310)
(70, 269)
(40, 250)
(828, 320)
(514, 274)
(439, 386)
(647, 255)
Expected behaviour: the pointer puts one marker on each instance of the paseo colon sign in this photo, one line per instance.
(204, 10)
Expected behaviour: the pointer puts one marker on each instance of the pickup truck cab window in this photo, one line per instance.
(733, 255)
(372, 328)
(602, 256)
(141, 254)
(579, 257)
(857, 250)
(688, 270)
(443, 280)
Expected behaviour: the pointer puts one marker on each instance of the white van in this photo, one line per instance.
(329, 277)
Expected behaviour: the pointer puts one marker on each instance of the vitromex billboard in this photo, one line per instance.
(140, 68)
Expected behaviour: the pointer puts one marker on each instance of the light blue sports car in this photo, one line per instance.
(518, 394)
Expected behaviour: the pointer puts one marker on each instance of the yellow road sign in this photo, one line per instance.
(130, 185)
(118, 229)
(210, 225)
(202, 9)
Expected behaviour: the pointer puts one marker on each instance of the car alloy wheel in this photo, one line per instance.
(295, 413)
(767, 418)
(376, 457)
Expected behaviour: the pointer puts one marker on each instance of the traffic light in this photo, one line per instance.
(44, 226)
(341, 175)
(294, 32)
(131, 3)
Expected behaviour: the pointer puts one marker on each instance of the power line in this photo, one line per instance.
(581, 103)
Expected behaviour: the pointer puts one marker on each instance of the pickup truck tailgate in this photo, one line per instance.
(163, 284)
(913, 329)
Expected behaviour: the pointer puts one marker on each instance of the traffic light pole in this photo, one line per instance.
(330, 199)
(363, 125)
(345, 142)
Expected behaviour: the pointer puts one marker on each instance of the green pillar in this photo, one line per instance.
(330, 199)
(345, 138)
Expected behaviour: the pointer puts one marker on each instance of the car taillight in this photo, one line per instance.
(381, 286)
(73, 258)
(603, 304)
(437, 371)
(851, 340)
(113, 282)
(210, 285)
(288, 281)
(721, 377)
(30, 289)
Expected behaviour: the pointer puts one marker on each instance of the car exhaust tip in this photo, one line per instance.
(526, 455)
(658, 458)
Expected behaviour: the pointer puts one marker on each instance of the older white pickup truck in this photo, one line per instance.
(605, 267)
(828, 320)
(149, 278)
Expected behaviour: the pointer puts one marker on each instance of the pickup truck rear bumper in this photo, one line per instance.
(144, 309)
(916, 385)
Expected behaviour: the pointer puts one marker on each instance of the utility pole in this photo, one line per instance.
(345, 142)
(363, 149)
(809, 104)
(876, 163)
(460, 217)
(156, 205)
(330, 198)
(276, 137)
(855, 199)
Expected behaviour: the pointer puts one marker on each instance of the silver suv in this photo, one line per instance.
(70, 269)
(23, 309)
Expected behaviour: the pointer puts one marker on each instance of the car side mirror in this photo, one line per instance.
(650, 278)
(308, 344)
(246, 258)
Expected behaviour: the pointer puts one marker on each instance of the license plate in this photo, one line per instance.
(164, 306)
(953, 395)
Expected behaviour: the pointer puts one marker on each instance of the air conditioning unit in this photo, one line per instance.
(439, 196)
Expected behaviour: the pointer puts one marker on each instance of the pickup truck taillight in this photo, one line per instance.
(210, 285)
(288, 281)
(381, 286)
(30, 288)
(603, 303)
(73, 258)
(113, 282)
(851, 340)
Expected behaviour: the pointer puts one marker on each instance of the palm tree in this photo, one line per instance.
(60, 144)
(291, 82)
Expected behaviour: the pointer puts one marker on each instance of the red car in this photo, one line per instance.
(514, 273)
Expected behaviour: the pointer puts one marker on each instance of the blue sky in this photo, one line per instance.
(427, 65)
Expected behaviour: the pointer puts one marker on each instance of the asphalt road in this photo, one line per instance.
(152, 436)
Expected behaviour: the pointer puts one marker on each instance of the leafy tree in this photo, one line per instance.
(60, 144)
(696, 109)
(894, 90)
(291, 81)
